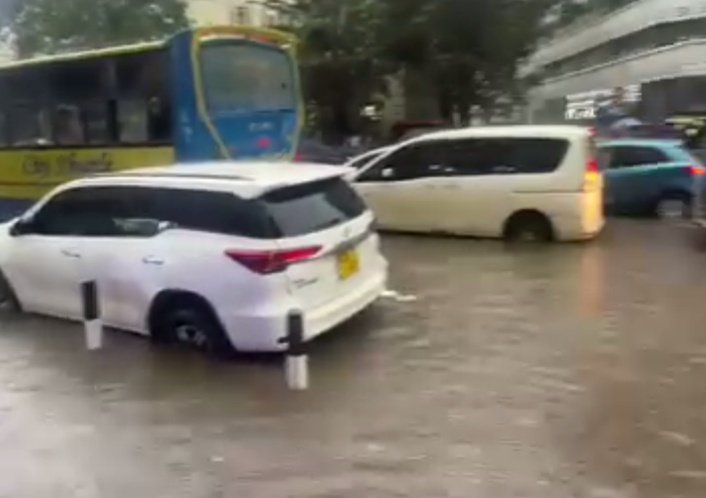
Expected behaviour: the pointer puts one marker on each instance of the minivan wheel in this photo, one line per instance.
(193, 324)
(674, 207)
(528, 227)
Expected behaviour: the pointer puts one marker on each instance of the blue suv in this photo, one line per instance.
(650, 177)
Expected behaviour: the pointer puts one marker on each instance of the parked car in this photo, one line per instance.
(650, 177)
(361, 160)
(313, 151)
(214, 256)
(535, 182)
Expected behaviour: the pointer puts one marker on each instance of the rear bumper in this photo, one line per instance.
(578, 216)
(263, 333)
(322, 319)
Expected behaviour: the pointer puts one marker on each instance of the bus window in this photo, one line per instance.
(246, 77)
(97, 122)
(132, 121)
(159, 120)
(68, 128)
(30, 127)
(144, 107)
(3, 130)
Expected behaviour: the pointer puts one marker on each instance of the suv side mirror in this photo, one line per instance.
(23, 226)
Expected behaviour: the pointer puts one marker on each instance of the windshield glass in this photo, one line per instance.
(247, 77)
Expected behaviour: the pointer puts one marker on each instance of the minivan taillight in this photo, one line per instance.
(592, 166)
(269, 262)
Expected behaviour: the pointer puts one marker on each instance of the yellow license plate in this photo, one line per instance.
(348, 264)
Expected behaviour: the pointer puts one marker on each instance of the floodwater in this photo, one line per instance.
(568, 371)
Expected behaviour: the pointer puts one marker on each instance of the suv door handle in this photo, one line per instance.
(151, 260)
(69, 253)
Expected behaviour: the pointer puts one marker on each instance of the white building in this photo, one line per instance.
(654, 48)
(242, 12)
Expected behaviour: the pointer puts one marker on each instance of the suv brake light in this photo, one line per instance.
(697, 171)
(269, 262)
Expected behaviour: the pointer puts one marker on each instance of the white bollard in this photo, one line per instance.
(94, 335)
(297, 361)
(93, 325)
(297, 372)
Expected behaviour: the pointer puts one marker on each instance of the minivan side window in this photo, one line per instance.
(407, 163)
(471, 157)
(503, 156)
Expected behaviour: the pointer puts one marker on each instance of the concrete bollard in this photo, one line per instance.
(297, 360)
(92, 322)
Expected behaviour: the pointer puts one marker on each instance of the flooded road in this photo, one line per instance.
(569, 371)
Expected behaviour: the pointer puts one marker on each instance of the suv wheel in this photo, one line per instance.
(192, 323)
(675, 206)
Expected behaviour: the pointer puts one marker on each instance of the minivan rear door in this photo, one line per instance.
(327, 218)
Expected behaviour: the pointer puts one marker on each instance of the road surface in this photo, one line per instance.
(568, 371)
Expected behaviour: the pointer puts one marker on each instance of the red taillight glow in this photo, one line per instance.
(697, 171)
(298, 158)
(592, 166)
(264, 143)
(268, 262)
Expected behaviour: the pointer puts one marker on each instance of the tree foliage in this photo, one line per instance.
(467, 49)
(51, 26)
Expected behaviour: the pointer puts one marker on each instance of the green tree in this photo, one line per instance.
(468, 50)
(471, 49)
(341, 58)
(51, 26)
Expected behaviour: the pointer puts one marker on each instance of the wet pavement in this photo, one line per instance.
(568, 371)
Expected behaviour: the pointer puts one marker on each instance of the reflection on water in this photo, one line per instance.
(568, 371)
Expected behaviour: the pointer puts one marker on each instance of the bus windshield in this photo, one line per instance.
(241, 76)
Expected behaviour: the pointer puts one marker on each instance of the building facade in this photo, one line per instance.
(652, 50)
(241, 12)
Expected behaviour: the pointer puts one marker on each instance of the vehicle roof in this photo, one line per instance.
(86, 54)
(642, 142)
(279, 37)
(522, 131)
(246, 179)
(372, 152)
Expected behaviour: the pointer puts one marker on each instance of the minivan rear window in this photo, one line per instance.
(312, 207)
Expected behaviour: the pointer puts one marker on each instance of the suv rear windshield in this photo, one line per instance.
(312, 207)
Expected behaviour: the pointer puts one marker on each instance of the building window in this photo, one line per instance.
(240, 15)
(271, 19)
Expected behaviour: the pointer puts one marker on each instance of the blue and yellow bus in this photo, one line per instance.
(204, 94)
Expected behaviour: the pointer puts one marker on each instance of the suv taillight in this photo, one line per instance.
(269, 262)
(697, 171)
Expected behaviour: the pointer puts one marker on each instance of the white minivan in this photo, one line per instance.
(515, 182)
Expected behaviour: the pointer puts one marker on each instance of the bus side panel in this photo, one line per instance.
(192, 138)
(28, 174)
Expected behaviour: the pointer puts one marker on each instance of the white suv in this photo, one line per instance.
(215, 256)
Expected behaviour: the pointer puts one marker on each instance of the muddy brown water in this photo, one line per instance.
(568, 371)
